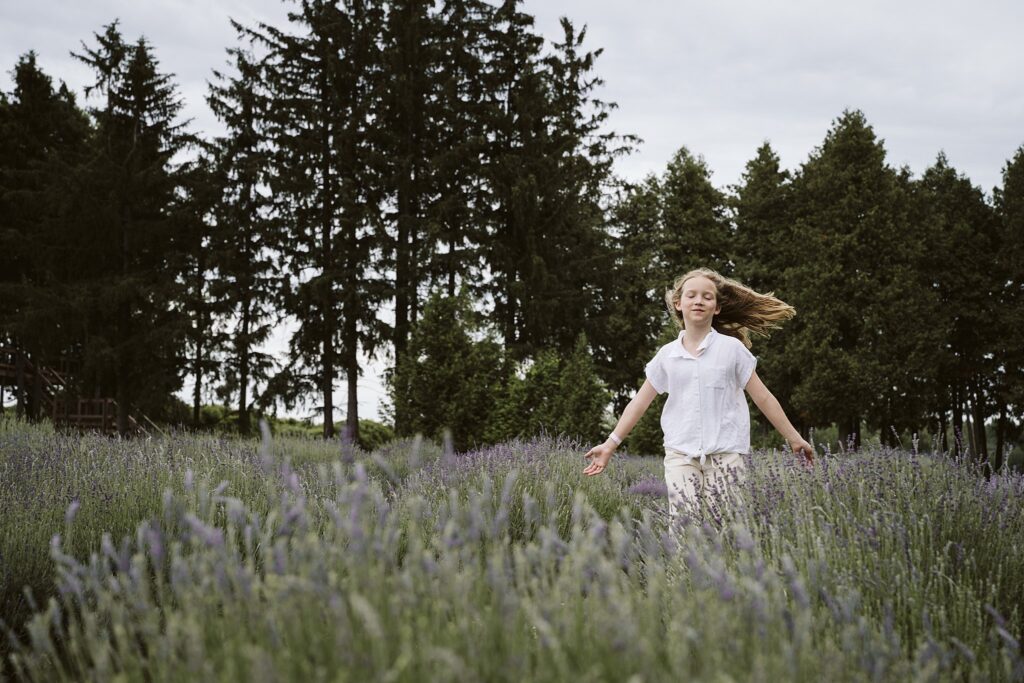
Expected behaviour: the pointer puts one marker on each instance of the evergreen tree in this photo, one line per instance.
(764, 246)
(553, 394)
(582, 401)
(410, 115)
(958, 265)
(515, 126)
(42, 134)
(694, 226)
(548, 167)
(450, 380)
(662, 228)
(762, 217)
(1009, 318)
(634, 313)
(326, 176)
(565, 293)
(204, 341)
(246, 236)
(134, 246)
(456, 220)
(854, 286)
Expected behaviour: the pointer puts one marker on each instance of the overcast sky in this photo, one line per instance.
(718, 77)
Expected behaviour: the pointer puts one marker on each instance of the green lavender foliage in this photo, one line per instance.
(290, 560)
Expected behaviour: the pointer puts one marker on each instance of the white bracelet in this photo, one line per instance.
(615, 437)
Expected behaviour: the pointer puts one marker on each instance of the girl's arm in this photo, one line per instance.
(769, 405)
(600, 455)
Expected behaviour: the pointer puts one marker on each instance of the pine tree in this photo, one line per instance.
(43, 133)
(583, 399)
(450, 380)
(578, 174)
(515, 127)
(548, 167)
(204, 340)
(962, 243)
(1009, 390)
(456, 220)
(409, 115)
(553, 394)
(325, 83)
(246, 236)
(764, 247)
(134, 248)
(854, 286)
(527, 406)
(633, 315)
(694, 226)
(762, 208)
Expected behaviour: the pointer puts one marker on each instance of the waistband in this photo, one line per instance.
(702, 457)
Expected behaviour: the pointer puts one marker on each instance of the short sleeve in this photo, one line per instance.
(656, 374)
(744, 365)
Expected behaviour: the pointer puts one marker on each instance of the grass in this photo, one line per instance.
(200, 558)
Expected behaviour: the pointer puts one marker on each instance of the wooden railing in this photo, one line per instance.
(55, 393)
(89, 413)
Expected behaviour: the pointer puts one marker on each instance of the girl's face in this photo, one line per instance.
(699, 301)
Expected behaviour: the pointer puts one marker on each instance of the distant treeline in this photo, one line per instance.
(445, 162)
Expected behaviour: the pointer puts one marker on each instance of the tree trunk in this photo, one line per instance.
(849, 433)
(980, 434)
(122, 405)
(328, 387)
(969, 426)
(35, 402)
(124, 322)
(958, 421)
(451, 267)
(414, 257)
(402, 279)
(997, 462)
(197, 391)
(943, 440)
(329, 191)
(244, 423)
(352, 416)
(21, 392)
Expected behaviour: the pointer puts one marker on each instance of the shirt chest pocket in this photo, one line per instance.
(715, 376)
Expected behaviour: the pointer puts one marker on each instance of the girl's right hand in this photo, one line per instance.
(803, 449)
(599, 457)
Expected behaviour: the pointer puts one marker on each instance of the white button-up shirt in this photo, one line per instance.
(706, 411)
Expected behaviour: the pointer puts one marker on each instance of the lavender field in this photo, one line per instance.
(199, 558)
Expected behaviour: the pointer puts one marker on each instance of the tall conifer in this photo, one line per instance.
(246, 236)
(43, 134)
(1009, 390)
(135, 245)
(326, 172)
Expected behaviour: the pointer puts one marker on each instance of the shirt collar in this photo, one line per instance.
(679, 350)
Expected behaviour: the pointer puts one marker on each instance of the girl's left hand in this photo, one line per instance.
(802, 448)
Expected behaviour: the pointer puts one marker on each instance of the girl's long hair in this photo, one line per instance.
(744, 311)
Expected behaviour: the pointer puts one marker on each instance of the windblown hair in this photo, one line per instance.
(744, 311)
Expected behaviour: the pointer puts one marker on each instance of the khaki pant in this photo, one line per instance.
(694, 488)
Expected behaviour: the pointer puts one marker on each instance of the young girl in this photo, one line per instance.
(705, 420)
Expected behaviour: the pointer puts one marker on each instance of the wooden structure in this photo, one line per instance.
(53, 394)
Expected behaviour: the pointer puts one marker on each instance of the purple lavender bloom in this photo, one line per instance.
(211, 536)
(69, 515)
(655, 488)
